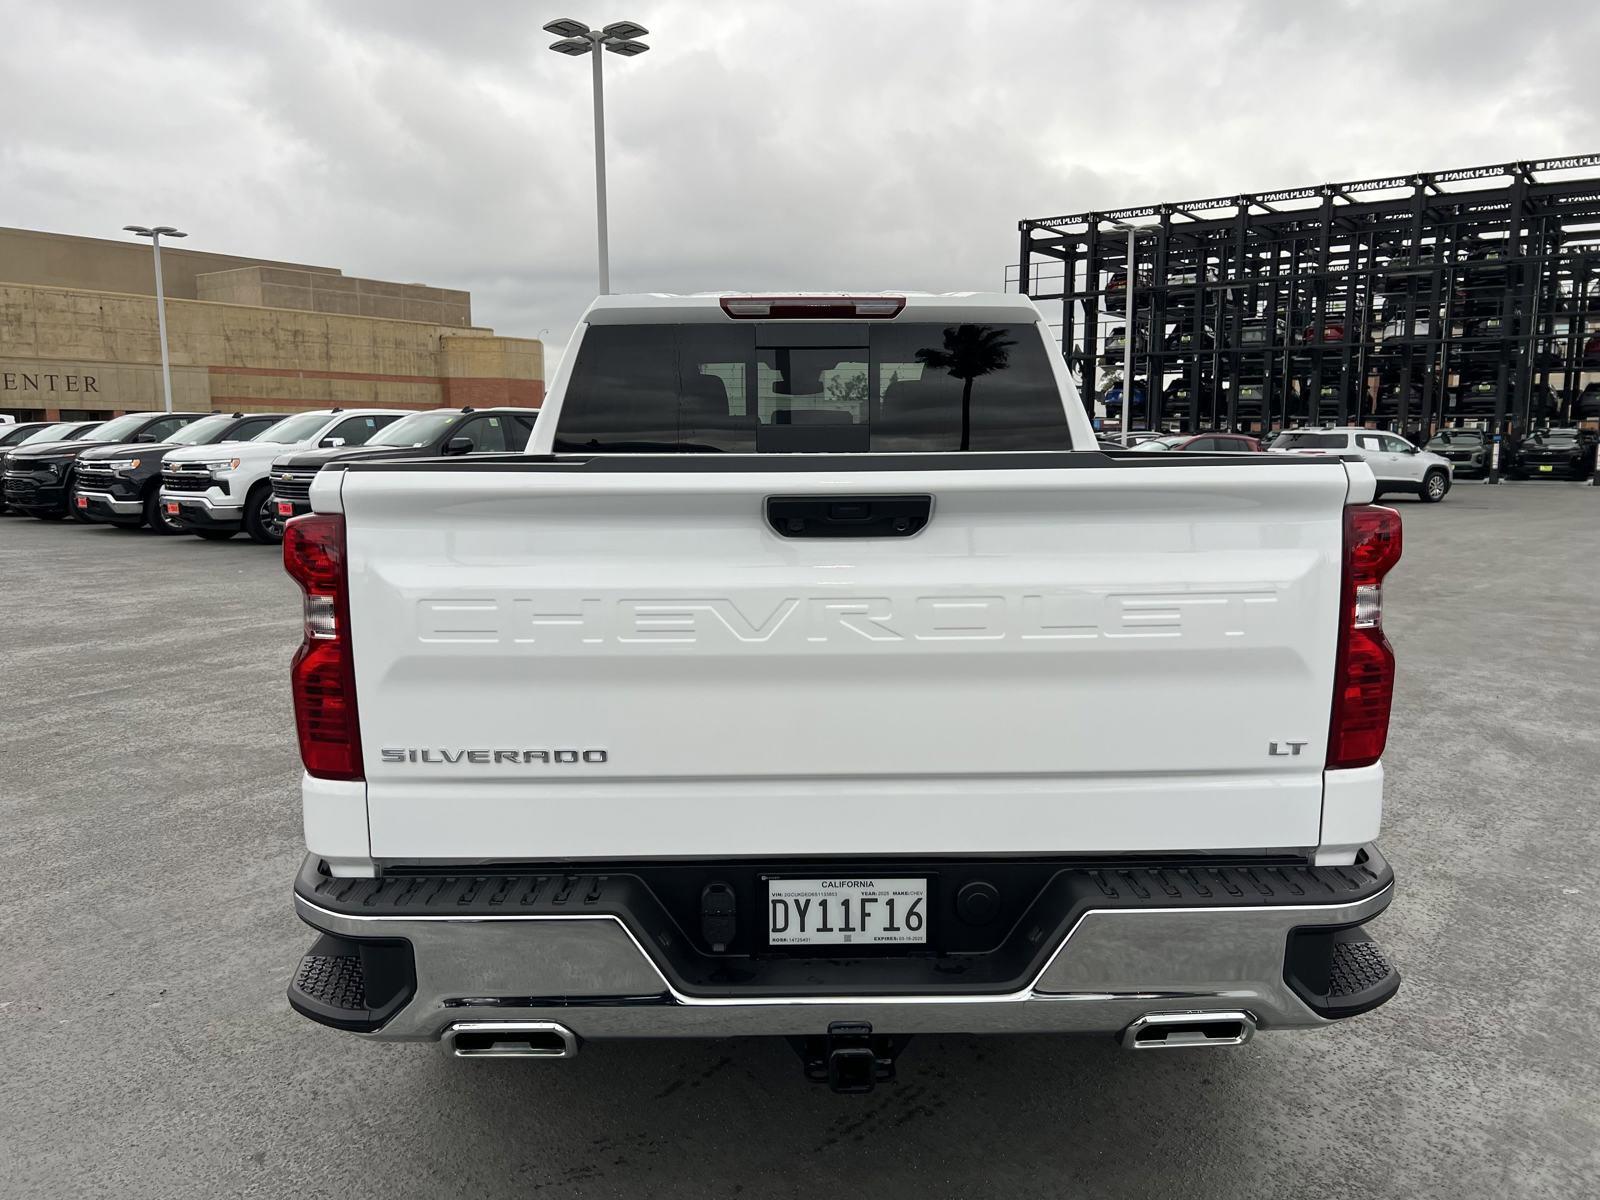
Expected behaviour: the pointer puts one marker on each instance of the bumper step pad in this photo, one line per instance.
(1339, 972)
(353, 984)
(336, 981)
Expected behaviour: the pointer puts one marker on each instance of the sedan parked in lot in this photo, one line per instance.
(1398, 465)
(1204, 443)
(59, 431)
(1554, 454)
(121, 484)
(39, 478)
(440, 432)
(1467, 450)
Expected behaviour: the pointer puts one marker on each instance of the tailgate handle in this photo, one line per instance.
(848, 516)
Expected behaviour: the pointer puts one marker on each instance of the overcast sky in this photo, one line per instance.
(804, 144)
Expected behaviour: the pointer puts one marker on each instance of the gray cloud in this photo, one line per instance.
(759, 144)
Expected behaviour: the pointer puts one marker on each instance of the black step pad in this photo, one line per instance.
(335, 981)
(1357, 967)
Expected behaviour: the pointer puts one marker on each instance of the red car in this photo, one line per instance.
(1204, 443)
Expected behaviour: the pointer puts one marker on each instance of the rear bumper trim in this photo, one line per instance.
(589, 972)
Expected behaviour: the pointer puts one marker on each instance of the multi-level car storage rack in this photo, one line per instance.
(1412, 302)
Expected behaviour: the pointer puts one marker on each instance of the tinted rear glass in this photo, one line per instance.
(762, 387)
(1294, 440)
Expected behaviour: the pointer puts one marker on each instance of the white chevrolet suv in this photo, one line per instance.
(1396, 463)
(215, 491)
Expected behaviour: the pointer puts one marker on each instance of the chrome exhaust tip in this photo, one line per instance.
(1176, 1030)
(511, 1039)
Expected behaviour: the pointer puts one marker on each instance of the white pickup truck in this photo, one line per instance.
(815, 674)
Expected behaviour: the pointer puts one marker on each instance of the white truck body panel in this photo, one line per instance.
(1063, 660)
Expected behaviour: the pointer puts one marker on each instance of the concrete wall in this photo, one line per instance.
(316, 291)
(102, 264)
(100, 351)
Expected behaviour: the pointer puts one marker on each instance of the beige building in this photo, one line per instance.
(78, 335)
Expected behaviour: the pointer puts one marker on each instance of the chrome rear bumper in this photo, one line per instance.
(591, 975)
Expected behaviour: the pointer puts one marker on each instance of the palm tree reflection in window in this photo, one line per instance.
(968, 351)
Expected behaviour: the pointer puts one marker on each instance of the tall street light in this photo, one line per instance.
(155, 235)
(1128, 329)
(577, 39)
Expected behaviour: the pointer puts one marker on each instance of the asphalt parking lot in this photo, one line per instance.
(151, 811)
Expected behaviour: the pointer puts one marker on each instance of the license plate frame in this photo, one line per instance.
(880, 912)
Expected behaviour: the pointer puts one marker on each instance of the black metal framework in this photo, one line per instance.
(1410, 302)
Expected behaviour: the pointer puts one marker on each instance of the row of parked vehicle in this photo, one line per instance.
(219, 474)
(1399, 465)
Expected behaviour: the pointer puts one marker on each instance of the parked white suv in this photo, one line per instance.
(1398, 465)
(215, 491)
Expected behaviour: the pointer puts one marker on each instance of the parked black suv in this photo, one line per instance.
(59, 431)
(1554, 454)
(121, 484)
(39, 476)
(40, 479)
(439, 431)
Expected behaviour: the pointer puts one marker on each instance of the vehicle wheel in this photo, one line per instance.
(260, 522)
(155, 514)
(1434, 486)
(215, 535)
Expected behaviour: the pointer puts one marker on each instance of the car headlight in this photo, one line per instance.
(224, 464)
(121, 464)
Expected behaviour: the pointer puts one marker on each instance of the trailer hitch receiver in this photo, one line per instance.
(850, 1059)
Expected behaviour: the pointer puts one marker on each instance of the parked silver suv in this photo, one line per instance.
(1398, 465)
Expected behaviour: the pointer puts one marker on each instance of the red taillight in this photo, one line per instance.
(322, 674)
(823, 308)
(1363, 680)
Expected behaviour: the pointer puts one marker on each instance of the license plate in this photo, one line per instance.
(1547, 468)
(862, 912)
(285, 508)
(83, 501)
(172, 508)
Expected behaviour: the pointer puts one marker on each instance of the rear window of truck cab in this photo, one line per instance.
(811, 386)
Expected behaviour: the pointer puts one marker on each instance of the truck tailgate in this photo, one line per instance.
(557, 661)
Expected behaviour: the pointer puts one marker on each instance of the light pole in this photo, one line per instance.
(1128, 328)
(161, 299)
(578, 39)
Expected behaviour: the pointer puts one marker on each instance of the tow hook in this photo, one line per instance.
(849, 1058)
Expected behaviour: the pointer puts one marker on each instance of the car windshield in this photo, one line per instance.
(416, 430)
(295, 429)
(1301, 439)
(50, 433)
(1456, 437)
(1557, 441)
(121, 428)
(198, 433)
